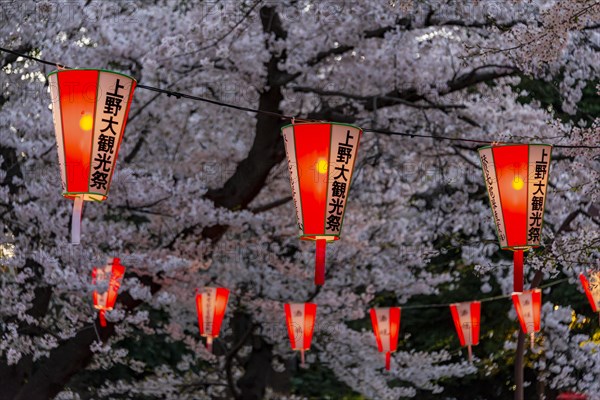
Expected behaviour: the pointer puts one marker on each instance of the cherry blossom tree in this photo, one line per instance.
(201, 197)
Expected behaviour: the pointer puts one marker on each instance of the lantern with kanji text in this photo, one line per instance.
(110, 275)
(516, 177)
(300, 321)
(528, 305)
(210, 305)
(467, 318)
(321, 159)
(386, 326)
(89, 109)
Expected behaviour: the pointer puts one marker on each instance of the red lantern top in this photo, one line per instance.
(89, 109)
(300, 321)
(386, 326)
(210, 306)
(112, 275)
(592, 288)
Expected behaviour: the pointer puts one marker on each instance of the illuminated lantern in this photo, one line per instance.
(516, 177)
(386, 326)
(111, 275)
(466, 318)
(89, 109)
(321, 159)
(529, 305)
(300, 319)
(592, 289)
(210, 305)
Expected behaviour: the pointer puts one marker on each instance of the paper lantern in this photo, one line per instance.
(386, 326)
(300, 320)
(516, 177)
(89, 109)
(211, 304)
(592, 289)
(110, 275)
(467, 318)
(529, 305)
(321, 159)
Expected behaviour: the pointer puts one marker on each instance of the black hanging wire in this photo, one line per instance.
(180, 95)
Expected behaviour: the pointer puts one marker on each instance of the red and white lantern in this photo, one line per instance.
(529, 307)
(386, 326)
(592, 289)
(321, 159)
(211, 304)
(89, 109)
(300, 319)
(516, 177)
(111, 275)
(467, 317)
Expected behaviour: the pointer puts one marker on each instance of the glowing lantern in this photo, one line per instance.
(386, 325)
(111, 275)
(466, 318)
(321, 159)
(89, 109)
(210, 305)
(300, 319)
(529, 305)
(592, 289)
(516, 177)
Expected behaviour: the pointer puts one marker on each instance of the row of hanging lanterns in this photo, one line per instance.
(90, 109)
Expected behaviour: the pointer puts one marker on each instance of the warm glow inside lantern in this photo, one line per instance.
(516, 177)
(110, 275)
(386, 326)
(321, 159)
(529, 306)
(592, 289)
(466, 318)
(211, 304)
(300, 320)
(89, 109)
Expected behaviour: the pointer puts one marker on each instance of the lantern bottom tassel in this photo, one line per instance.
(209, 342)
(76, 220)
(532, 339)
(102, 318)
(388, 359)
(320, 262)
(518, 271)
(470, 354)
(302, 363)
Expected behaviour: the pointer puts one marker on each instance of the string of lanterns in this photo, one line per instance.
(90, 109)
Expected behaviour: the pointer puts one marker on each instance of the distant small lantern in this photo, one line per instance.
(300, 320)
(386, 326)
(516, 177)
(321, 159)
(211, 304)
(529, 307)
(467, 317)
(89, 109)
(111, 275)
(592, 289)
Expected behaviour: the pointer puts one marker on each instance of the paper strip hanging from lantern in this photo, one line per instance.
(210, 305)
(386, 326)
(529, 307)
(592, 289)
(300, 321)
(111, 275)
(89, 109)
(321, 159)
(466, 318)
(516, 177)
